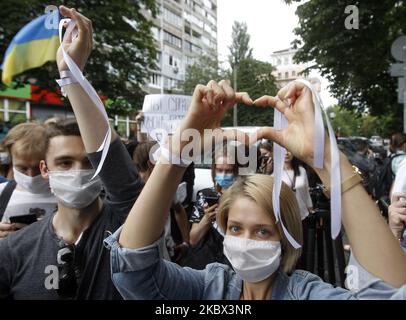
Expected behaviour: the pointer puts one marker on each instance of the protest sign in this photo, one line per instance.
(164, 112)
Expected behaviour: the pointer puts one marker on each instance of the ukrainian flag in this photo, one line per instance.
(31, 47)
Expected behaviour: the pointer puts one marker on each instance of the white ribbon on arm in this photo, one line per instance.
(280, 122)
(87, 87)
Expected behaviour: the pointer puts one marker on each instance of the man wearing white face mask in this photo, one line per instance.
(29, 197)
(63, 256)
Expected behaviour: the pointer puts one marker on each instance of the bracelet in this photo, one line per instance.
(66, 78)
(346, 185)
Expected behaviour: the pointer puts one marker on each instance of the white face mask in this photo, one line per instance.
(74, 187)
(253, 260)
(36, 185)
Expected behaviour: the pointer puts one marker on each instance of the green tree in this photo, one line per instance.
(344, 122)
(205, 68)
(123, 50)
(355, 61)
(254, 77)
(352, 123)
(239, 48)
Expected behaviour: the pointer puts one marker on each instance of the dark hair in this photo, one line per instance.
(396, 141)
(67, 127)
(141, 155)
(224, 151)
(296, 163)
(266, 145)
(131, 145)
(360, 145)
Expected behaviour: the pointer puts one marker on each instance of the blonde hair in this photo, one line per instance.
(29, 138)
(259, 189)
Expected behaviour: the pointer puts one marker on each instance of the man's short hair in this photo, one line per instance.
(68, 127)
(29, 139)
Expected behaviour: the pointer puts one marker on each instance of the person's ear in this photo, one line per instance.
(44, 169)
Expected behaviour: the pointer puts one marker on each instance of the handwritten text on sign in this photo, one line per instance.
(164, 111)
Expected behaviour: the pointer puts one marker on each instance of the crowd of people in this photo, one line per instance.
(135, 232)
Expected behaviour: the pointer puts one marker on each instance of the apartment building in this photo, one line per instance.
(184, 30)
(287, 70)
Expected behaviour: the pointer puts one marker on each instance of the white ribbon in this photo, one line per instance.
(87, 87)
(280, 122)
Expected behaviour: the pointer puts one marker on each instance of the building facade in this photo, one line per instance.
(184, 30)
(286, 70)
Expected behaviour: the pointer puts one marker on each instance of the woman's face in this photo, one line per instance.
(248, 220)
(288, 157)
(267, 162)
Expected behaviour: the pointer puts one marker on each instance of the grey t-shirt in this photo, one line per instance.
(28, 256)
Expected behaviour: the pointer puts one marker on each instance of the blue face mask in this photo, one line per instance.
(225, 180)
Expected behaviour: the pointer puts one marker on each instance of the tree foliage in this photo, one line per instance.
(355, 61)
(205, 68)
(239, 48)
(254, 77)
(347, 122)
(122, 54)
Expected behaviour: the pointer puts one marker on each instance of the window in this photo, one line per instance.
(293, 73)
(192, 47)
(155, 80)
(173, 40)
(197, 8)
(279, 75)
(212, 19)
(158, 57)
(286, 75)
(196, 34)
(173, 61)
(207, 3)
(206, 41)
(170, 83)
(172, 18)
(286, 60)
(14, 111)
(156, 33)
(279, 62)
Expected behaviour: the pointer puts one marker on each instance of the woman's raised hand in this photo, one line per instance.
(208, 107)
(295, 102)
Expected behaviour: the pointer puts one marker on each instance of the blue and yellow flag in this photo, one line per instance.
(32, 46)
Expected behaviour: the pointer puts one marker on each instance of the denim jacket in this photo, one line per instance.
(143, 274)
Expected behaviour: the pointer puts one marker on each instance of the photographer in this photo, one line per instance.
(266, 157)
(206, 238)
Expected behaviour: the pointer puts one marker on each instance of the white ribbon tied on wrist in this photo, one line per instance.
(280, 122)
(87, 87)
